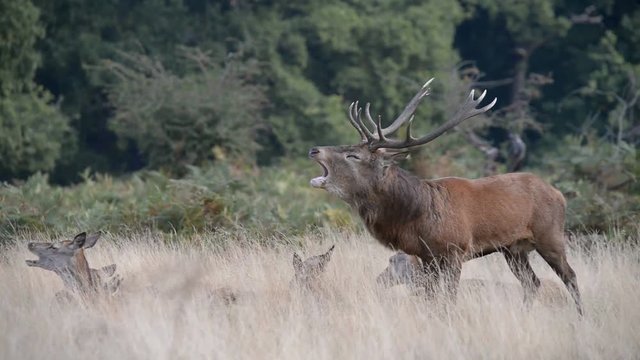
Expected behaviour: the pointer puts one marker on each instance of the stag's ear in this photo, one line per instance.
(399, 155)
(297, 263)
(108, 270)
(393, 155)
(79, 240)
(91, 240)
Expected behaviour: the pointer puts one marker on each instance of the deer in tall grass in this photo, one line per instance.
(307, 272)
(66, 258)
(450, 220)
(306, 277)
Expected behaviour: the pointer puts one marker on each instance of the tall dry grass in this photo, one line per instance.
(350, 318)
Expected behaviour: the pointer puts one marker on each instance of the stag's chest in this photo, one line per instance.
(402, 238)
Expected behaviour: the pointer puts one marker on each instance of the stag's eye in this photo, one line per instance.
(354, 157)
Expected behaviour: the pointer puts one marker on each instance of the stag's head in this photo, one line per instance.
(66, 258)
(350, 171)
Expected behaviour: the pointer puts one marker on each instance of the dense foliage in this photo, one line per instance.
(182, 87)
(269, 201)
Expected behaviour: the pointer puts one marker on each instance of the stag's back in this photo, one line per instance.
(501, 209)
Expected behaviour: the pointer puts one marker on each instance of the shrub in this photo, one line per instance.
(271, 201)
(188, 117)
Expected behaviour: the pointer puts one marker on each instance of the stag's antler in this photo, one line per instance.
(379, 140)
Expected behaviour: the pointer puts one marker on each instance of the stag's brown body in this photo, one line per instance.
(471, 218)
(449, 220)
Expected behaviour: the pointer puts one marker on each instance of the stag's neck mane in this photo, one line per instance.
(399, 198)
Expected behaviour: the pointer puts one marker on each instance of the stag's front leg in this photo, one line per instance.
(443, 273)
(431, 277)
(451, 269)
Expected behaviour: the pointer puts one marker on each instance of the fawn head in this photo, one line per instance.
(403, 269)
(309, 270)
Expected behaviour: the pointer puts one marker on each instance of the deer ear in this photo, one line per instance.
(79, 240)
(324, 259)
(91, 240)
(328, 253)
(327, 256)
(394, 154)
(399, 155)
(297, 263)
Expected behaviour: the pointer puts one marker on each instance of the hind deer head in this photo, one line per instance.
(66, 259)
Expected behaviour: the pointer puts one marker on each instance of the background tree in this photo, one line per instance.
(192, 119)
(80, 83)
(33, 132)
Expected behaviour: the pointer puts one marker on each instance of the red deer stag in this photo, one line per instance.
(450, 220)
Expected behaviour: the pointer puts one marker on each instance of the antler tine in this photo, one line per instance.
(409, 137)
(378, 140)
(368, 114)
(353, 122)
(409, 110)
(369, 135)
(379, 128)
(466, 111)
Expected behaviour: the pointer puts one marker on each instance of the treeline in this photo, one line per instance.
(120, 86)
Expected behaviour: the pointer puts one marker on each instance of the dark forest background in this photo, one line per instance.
(184, 115)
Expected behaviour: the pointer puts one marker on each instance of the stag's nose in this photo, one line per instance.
(313, 152)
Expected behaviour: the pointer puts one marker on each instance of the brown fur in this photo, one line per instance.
(66, 258)
(450, 220)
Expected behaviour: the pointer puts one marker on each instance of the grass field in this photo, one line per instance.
(350, 318)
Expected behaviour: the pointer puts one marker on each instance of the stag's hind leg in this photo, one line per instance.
(519, 264)
(554, 254)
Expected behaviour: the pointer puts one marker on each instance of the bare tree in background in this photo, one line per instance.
(513, 118)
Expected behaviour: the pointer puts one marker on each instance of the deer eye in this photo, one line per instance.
(351, 156)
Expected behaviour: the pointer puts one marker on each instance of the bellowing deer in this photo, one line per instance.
(445, 221)
(66, 258)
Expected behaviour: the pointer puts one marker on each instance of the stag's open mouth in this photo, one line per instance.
(318, 182)
(32, 248)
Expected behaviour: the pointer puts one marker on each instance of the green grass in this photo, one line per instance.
(270, 201)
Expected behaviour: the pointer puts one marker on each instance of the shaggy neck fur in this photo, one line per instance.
(399, 198)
